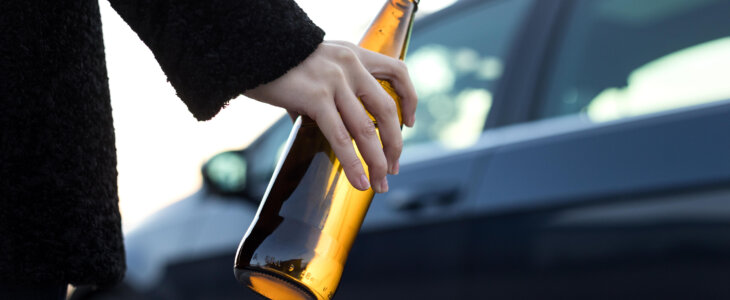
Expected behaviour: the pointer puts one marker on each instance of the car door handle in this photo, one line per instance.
(410, 199)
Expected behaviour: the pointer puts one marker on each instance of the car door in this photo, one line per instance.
(413, 241)
(613, 180)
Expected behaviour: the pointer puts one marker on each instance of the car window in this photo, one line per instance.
(455, 64)
(622, 58)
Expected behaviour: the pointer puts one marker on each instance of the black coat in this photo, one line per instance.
(59, 218)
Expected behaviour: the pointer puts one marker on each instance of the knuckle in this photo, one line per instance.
(319, 93)
(367, 130)
(352, 163)
(378, 166)
(386, 107)
(395, 147)
(346, 55)
(401, 68)
(389, 107)
(342, 138)
(333, 71)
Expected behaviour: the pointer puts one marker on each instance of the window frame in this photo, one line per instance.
(518, 91)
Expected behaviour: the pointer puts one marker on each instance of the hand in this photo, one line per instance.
(326, 87)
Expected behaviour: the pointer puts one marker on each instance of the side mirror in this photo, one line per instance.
(246, 173)
(227, 173)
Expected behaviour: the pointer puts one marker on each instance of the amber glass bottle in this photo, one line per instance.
(297, 245)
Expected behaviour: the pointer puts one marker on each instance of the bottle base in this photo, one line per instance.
(273, 286)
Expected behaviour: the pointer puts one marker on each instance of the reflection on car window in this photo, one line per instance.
(454, 64)
(622, 58)
(692, 76)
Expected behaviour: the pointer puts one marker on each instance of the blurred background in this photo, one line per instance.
(563, 149)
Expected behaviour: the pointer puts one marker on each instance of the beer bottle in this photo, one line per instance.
(306, 224)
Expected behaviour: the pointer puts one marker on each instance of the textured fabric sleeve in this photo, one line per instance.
(214, 50)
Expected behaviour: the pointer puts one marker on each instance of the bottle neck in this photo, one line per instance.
(390, 31)
(407, 40)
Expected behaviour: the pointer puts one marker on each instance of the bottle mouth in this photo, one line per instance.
(272, 285)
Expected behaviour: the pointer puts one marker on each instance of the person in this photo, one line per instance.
(59, 216)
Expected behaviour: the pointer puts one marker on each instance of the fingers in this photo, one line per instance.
(326, 87)
(384, 109)
(334, 130)
(404, 88)
(364, 132)
(396, 72)
(380, 158)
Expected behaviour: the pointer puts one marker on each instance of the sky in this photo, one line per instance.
(160, 146)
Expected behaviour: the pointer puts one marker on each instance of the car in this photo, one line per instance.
(563, 149)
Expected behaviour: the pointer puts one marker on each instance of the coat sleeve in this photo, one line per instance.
(214, 50)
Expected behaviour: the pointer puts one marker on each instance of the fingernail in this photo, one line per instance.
(364, 183)
(396, 168)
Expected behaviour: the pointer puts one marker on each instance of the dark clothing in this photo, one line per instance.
(59, 218)
(34, 292)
